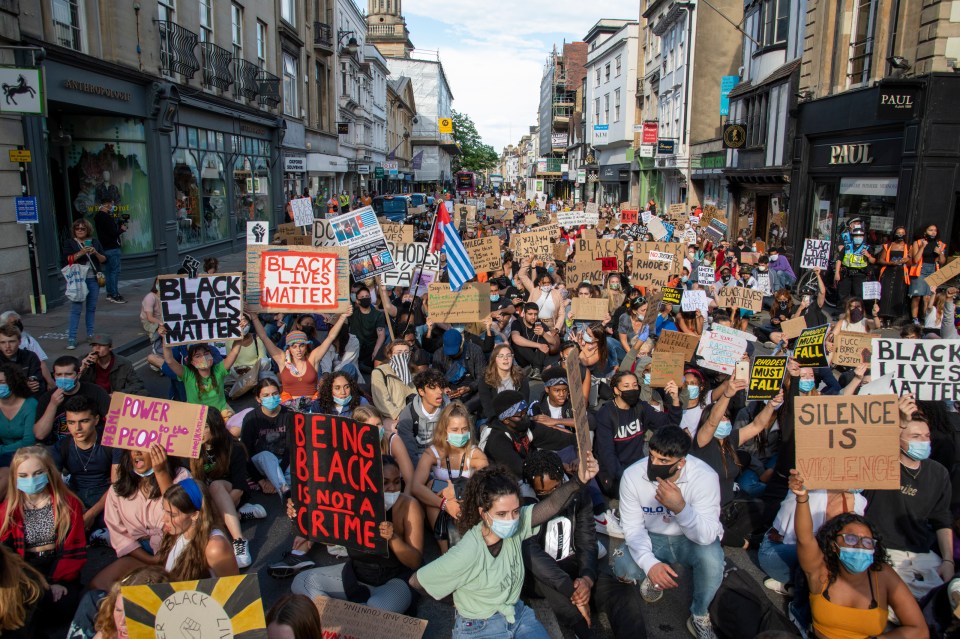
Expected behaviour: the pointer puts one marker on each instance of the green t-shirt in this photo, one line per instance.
(210, 394)
(482, 585)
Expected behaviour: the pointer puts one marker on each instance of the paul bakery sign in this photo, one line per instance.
(850, 154)
(898, 101)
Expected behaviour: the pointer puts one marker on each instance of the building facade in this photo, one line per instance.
(401, 109)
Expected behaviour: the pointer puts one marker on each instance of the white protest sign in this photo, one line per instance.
(360, 231)
(695, 301)
(871, 290)
(201, 309)
(928, 368)
(258, 232)
(706, 274)
(323, 234)
(302, 211)
(577, 218)
(816, 254)
(656, 228)
(721, 352)
(660, 256)
(408, 258)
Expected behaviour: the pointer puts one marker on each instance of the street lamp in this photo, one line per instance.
(351, 45)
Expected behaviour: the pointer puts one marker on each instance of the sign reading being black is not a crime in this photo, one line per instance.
(201, 309)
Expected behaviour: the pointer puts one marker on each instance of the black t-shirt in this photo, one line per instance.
(907, 519)
(59, 431)
(89, 470)
(29, 363)
(261, 432)
(722, 460)
(235, 473)
(520, 328)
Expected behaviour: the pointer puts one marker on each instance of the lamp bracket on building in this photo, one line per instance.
(351, 45)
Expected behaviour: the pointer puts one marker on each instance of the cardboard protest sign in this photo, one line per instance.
(258, 232)
(793, 327)
(672, 295)
(871, 290)
(596, 249)
(302, 211)
(656, 228)
(677, 342)
(224, 607)
(653, 307)
(848, 441)
(191, 265)
(323, 234)
(469, 304)
(657, 249)
(816, 254)
(583, 270)
(810, 348)
(559, 251)
(337, 479)
(484, 253)
(592, 208)
(578, 404)
(347, 620)
(695, 301)
(409, 258)
(360, 232)
(766, 378)
(290, 235)
(706, 274)
(201, 309)
(531, 219)
(297, 279)
(588, 308)
(535, 244)
(397, 233)
(749, 258)
(726, 330)
(465, 214)
(677, 210)
(628, 216)
(851, 349)
(577, 218)
(925, 367)
(588, 234)
(647, 272)
(946, 273)
(136, 423)
(721, 352)
(666, 367)
(421, 280)
(741, 297)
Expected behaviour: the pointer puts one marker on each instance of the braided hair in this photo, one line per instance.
(542, 463)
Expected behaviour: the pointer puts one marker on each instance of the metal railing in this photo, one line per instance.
(268, 86)
(176, 49)
(245, 75)
(323, 35)
(216, 65)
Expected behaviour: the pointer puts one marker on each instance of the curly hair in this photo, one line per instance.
(542, 463)
(15, 379)
(142, 576)
(325, 393)
(492, 376)
(483, 488)
(826, 539)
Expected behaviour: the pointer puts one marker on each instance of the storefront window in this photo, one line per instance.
(108, 157)
(216, 215)
(873, 201)
(824, 211)
(186, 182)
(251, 191)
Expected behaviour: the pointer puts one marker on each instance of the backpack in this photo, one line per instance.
(741, 609)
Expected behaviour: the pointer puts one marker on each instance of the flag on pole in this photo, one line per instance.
(445, 236)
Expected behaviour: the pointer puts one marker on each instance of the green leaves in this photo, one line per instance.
(474, 154)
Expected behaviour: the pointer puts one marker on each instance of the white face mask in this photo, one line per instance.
(389, 499)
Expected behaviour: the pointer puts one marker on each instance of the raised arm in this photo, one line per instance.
(168, 357)
(317, 354)
(274, 351)
(808, 550)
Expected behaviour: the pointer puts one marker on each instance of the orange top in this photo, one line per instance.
(304, 385)
(842, 622)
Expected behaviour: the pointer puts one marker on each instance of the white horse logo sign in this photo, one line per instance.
(21, 91)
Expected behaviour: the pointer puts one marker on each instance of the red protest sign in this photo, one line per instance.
(628, 216)
(608, 263)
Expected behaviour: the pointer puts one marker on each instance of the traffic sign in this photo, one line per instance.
(27, 211)
(20, 155)
(378, 173)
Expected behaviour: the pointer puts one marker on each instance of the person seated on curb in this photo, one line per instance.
(27, 361)
(109, 371)
(66, 373)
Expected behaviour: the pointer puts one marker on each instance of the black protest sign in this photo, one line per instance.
(190, 265)
(201, 309)
(766, 378)
(338, 482)
(672, 295)
(809, 349)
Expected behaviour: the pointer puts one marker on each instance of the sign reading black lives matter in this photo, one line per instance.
(816, 254)
(201, 309)
(930, 369)
(337, 476)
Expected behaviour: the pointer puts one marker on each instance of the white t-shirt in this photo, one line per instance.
(181, 545)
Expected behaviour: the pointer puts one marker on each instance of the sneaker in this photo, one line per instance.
(916, 321)
(72, 345)
(778, 587)
(650, 592)
(609, 524)
(601, 550)
(241, 548)
(118, 299)
(534, 374)
(700, 627)
(337, 551)
(770, 345)
(99, 537)
(252, 511)
(290, 565)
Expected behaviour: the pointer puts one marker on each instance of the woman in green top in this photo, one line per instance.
(202, 379)
(485, 570)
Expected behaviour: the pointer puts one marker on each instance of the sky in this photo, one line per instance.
(493, 52)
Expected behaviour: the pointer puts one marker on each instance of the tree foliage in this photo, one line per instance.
(474, 154)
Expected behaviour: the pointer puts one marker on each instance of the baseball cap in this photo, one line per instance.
(452, 341)
(102, 339)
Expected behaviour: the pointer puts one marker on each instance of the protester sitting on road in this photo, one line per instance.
(265, 433)
(66, 372)
(294, 617)
(390, 443)
(391, 383)
(462, 363)
(193, 546)
(111, 621)
(109, 371)
(419, 418)
(22, 589)
(337, 394)
(27, 361)
(502, 374)
(28, 342)
(17, 412)
(250, 366)
(202, 379)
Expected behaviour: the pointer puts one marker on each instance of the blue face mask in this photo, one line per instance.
(693, 391)
(458, 440)
(343, 401)
(646, 378)
(66, 384)
(380, 428)
(723, 429)
(494, 298)
(32, 485)
(271, 402)
(918, 450)
(807, 385)
(505, 528)
(856, 560)
(4, 391)
(857, 240)
(146, 474)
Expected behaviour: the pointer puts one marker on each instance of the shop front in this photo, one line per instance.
(614, 184)
(325, 174)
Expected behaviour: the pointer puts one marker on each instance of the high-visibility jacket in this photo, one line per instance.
(915, 267)
(886, 258)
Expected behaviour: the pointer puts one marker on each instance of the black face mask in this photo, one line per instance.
(365, 302)
(783, 305)
(520, 426)
(630, 397)
(659, 471)
(931, 238)
(898, 237)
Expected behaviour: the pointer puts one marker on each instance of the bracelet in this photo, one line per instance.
(804, 501)
(443, 504)
(950, 560)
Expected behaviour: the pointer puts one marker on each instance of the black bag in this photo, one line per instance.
(441, 528)
(741, 610)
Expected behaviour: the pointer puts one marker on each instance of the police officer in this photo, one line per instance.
(850, 271)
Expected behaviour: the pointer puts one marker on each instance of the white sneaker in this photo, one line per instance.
(609, 524)
(99, 537)
(601, 550)
(700, 627)
(337, 551)
(780, 588)
(241, 548)
(252, 511)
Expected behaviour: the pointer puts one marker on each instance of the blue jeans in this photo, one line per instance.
(706, 562)
(111, 269)
(780, 279)
(93, 292)
(778, 560)
(525, 626)
(616, 349)
(269, 466)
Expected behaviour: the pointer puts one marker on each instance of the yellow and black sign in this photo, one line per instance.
(20, 155)
(734, 136)
(446, 125)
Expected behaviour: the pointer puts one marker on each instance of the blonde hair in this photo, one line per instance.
(451, 410)
(62, 514)
(142, 576)
(21, 587)
(939, 301)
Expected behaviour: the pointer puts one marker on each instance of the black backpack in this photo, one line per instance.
(741, 609)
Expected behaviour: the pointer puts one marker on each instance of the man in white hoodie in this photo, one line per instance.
(670, 514)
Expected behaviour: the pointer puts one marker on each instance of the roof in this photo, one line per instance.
(783, 72)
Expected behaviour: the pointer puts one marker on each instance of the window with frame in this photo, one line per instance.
(596, 111)
(861, 41)
(598, 77)
(616, 105)
(774, 22)
(262, 44)
(206, 20)
(165, 10)
(290, 102)
(236, 25)
(606, 72)
(606, 109)
(617, 61)
(288, 11)
(67, 17)
(757, 110)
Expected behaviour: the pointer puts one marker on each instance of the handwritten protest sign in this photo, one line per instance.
(741, 297)
(721, 352)
(224, 607)
(588, 308)
(592, 208)
(766, 378)
(531, 219)
(749, 258)
(201, 309)
(810, 348)
(628, 216)
(421, 281)
(302, 211)
(347, 620)
(577, 218)
(793, 327)
(484, 253)
(560, 250)
(578, 404)
(706, 274)
(848, 441)
(871, 290)
(596, 249)
(656, 228)
(677, 342)
(676, 210)
(695, 301)
(851, 349)
(666, 367)
(678, 250)
(586, 270)
(672, 295)
(290, 235)
(397, 233)
(297, 279)
(338, 482)
(654, 305)
(946, 273)
(816, 254)
(588, 234)
(258, 232)
(535, 244)
(926, 368)
(469, 304)
(409, 258)
(360, 232)
(136, 423)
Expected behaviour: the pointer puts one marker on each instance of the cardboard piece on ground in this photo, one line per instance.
(792, 328)
(347, 620)
(224, 607)
(469, 304)
(588, 308)
(677, 342)
(397, 233)
(135, 423)
(946, 273)
(848, 441)
(766, 377)
(810, 348)
(484, 253)
(578, 404)
(925, 367)
(301, 279)
(666, 367)
(201, 309)
(741, 297)
(849, 348)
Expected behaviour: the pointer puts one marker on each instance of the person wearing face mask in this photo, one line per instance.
(43, 522)
(917, 517)
(392, 382)
(337, 394)
(894, 276)
(66, 376)
(781, 273)
(202, 379)
(927, 255)
(548, 299)
(850, 271)
(851, 584)
(264, 434)
(484, 572)
(780, 309)
(250, 366)
(853, 319)
(369, 324)
(507, 439)
(17, 413)
(670, 513)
